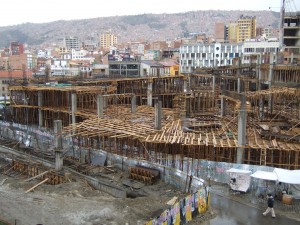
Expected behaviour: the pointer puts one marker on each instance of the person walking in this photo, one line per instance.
(270, 206)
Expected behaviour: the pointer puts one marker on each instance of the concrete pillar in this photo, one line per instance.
(270, 79)
(158, 115)
(100, 106)
(242, 131)
(58, 144)
(82, 156)
(213, 83)
(149, 94)
(222, 106)
(133, 104)
(185, 86)
(58, 134)
(105, 102)
(239, 85)
(40, 104)
(261, 108)
(188, 106)
(74, 107)
(270, 104)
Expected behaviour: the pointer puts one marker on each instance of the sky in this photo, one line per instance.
(38, 11)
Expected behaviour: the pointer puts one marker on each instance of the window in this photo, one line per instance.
(217, 48)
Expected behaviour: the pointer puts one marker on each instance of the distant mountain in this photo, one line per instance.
(131, 28)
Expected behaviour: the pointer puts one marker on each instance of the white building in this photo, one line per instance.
(200, 55)
(254, 48)
(78, 54)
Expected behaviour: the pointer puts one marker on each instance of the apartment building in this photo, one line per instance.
(107, 40)
(232, 32)
(219, 32)
(70, 43)
(199, 55)
(246, 28)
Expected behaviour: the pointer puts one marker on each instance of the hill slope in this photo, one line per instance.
(130, 28)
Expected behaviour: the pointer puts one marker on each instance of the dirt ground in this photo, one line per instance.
(77, 203)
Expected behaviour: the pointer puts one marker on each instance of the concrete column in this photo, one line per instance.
(100, 106)
(185, 86)
(261, 108)
(213, 83)
(242, 131)
(59, 160)
(188, 107)
(74, 107)
(222, 106)
(270, 104)
(82, 156)
(239, 85)
(133, 104)
(40, 104)
(58, 134)
(58, 144)
(270, 79)
(149, 94)
(158, 115)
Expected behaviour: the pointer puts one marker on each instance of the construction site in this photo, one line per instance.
(151, 138)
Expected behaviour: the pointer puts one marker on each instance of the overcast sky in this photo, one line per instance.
(39, 11)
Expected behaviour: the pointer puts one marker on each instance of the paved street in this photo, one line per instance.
(230, 212)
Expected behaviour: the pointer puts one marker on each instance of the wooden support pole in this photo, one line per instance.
(30, 189)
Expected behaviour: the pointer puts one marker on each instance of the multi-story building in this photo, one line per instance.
(246, 28)
(291, 38)
(232, 32)
(257, 49)
(6, 76)
(124, 69)
(18, 62)
(193, 56)
(107, 40)
(219, 32)
(199, 55)
(16, 48)
(70, 43)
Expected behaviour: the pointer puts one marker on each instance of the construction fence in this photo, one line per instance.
(184, 210)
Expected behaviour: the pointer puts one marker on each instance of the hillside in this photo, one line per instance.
(130, 28)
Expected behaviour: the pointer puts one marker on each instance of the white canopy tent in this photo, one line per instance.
(264, 175)
(241, 179)
(291, 177)
(287, 176)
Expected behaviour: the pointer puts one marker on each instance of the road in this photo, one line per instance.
(230, 212)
